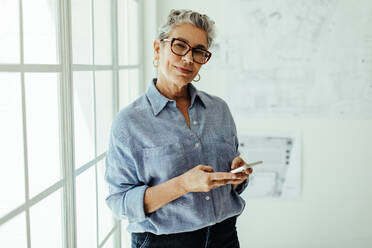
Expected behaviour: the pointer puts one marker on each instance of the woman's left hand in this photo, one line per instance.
(236, 163)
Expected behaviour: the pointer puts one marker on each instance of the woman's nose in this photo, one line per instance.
(188, 57)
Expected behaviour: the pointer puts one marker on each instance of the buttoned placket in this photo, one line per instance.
(198, 145)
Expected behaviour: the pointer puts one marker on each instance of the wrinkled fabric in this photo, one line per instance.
(151, 143)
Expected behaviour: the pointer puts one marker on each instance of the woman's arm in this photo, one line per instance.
(199, 179)
(161, 194)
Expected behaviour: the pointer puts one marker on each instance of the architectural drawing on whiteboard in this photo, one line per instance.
(280, 174)
(297, 58)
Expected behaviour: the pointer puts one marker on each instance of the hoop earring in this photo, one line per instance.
(155, 63)
(197, 80)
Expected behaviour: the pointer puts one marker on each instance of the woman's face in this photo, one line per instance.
(174, 68)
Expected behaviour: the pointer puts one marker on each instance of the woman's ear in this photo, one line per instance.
(156, 49)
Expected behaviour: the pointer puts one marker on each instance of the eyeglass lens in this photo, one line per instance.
(181, 48)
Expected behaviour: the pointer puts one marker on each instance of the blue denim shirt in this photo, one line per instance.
(151, 143)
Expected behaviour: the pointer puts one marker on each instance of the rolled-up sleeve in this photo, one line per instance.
(126, 192)
(241, 187)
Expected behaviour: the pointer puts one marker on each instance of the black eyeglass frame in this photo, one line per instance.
(188, 50)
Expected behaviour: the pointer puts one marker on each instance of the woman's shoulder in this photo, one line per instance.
(212, 100)
(138, 105)
(131, 113)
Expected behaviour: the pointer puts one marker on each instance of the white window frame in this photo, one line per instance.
(65, 68)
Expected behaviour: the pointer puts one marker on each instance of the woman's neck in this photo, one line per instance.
(172, 90)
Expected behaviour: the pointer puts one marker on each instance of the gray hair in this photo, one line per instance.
(177, 17)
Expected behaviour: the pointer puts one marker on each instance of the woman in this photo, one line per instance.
(171, 150)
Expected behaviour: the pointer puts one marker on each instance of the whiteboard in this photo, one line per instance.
(296, 58)
(279, 177)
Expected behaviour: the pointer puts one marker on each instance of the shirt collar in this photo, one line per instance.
(158, 101)
(196, 94)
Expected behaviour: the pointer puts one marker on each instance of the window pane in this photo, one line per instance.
(102, 32)
(83, 117)
(105, 217)
(11, 143)
(40, 29)
(128, 32)
(13, 232)
(86, 209)
(128, 86)
(110, 242)
(104, 109)
(126, 238)
(81, 31)
(45, 222)
(42, 130)
(9, 32)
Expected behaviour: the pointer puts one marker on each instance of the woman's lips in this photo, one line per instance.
(183, 70)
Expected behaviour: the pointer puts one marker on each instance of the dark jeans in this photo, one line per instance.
(220, 235)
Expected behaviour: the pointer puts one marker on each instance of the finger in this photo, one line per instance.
(227, 181)
(247, 171)
(206, 168)
(218, 183)
(223, 176)
(240, 178)
(241, 174)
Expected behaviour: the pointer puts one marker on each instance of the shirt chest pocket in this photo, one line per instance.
(225, 149)
(162, 163)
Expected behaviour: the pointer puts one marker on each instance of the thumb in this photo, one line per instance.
(237, 162)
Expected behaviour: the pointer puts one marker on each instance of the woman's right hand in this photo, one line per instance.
(201, 178)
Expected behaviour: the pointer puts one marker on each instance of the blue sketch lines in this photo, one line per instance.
(299, 58)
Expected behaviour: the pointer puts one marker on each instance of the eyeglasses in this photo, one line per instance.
(181, 48)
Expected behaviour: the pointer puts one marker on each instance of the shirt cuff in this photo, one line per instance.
(241, 187)
(134, 204)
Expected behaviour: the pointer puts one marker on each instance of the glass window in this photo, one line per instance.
(83, 117)
(86, 223)
(128, 86)
(13, 232)
(102, 32)
(45, 222)
(33, 100)
(110, 242)
(40, 31)
(104, 213)
(128, 32)
(42, 116)
(9, 31)
(11, 143)
(104, 109)
(81, 26)
(126, 239)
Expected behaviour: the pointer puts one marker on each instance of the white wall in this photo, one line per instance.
(149, 33)
(336, 205)
(335, 209)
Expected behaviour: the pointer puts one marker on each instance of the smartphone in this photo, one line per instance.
(245, 167)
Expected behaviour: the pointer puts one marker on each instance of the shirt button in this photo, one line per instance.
(197, 145)
(207, 198)
(195, 122)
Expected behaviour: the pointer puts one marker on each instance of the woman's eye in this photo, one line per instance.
(199, 52)
(180, 45)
